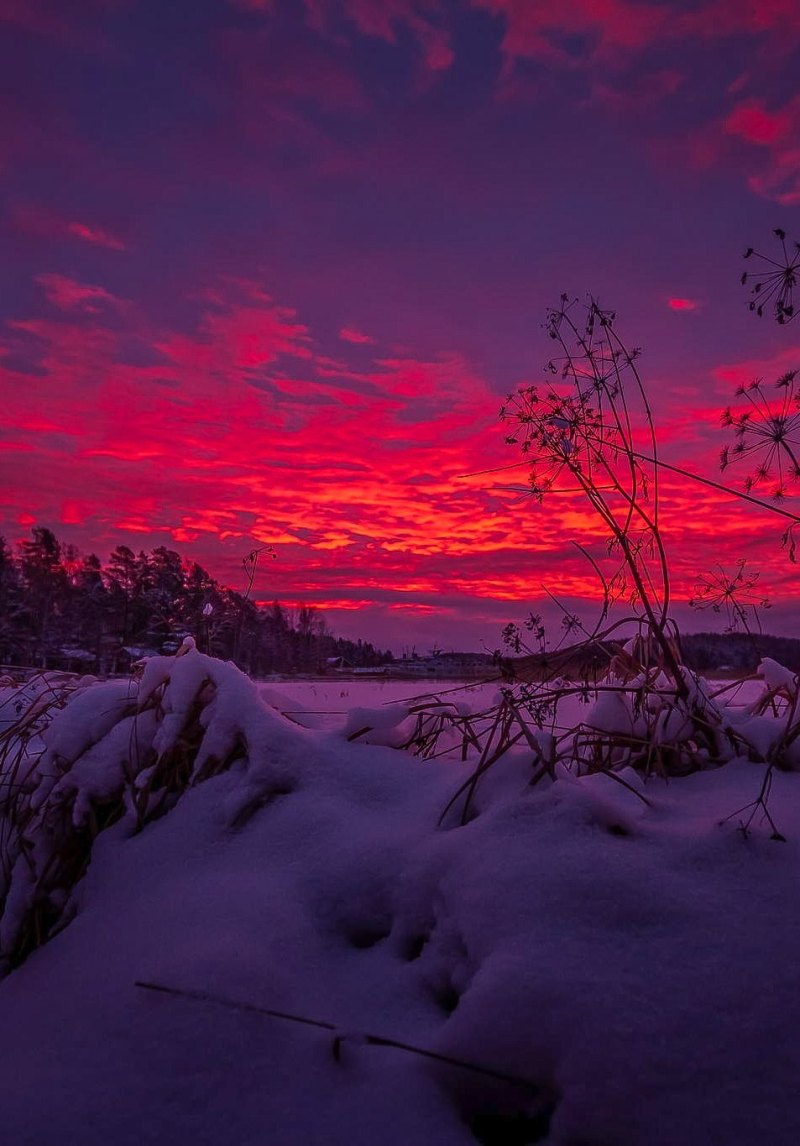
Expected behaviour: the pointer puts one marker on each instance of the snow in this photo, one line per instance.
(777, 677)
(378, 725)
(618, 944)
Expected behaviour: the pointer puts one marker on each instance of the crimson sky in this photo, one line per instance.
(269, 266)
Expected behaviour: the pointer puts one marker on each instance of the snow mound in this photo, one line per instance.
(595, 959)
(120, 750)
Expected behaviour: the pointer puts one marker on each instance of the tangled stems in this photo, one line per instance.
(589, 429)
(733, 594)
(583, 424)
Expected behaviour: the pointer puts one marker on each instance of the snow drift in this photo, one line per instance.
(599, 967)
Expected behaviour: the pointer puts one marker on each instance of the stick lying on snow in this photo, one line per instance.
(340, 1036)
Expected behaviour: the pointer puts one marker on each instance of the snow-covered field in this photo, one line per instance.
(601, 970)
(325, 703)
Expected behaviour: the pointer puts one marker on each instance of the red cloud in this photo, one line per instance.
(639, 94)
(47, 224)
(69, 294)
(348, 334)
(34, 18)
(777, 133)
(245, 331)
(73, 24)
(270, 99)
(538, 29)
(717, 18)
(754, 123)
(95, 235)
(682, 304)
(734, 374)
(381, 19)
(356, 477)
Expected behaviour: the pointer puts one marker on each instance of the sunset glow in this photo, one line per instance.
(269, 270)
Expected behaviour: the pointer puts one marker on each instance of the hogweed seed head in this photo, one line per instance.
(774, 283)
(767, 433)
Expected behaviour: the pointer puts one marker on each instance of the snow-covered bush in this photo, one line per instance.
(79, 756)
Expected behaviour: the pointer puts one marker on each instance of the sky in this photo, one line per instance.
(269, 267)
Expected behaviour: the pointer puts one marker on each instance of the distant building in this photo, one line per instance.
(342, 666)
(453, 664)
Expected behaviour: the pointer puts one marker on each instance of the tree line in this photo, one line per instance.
(62, 609)
(738, 652)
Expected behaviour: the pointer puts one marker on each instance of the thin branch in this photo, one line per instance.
(322, 1024)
